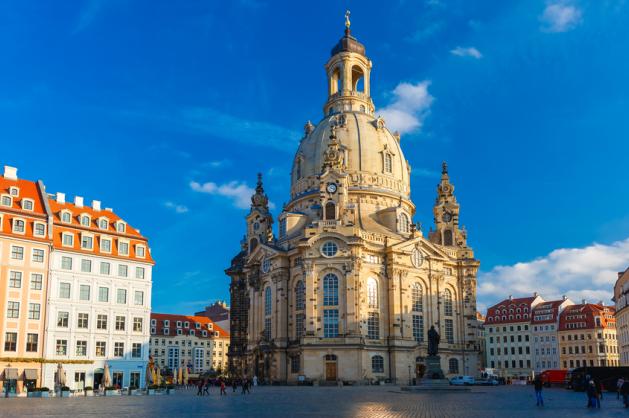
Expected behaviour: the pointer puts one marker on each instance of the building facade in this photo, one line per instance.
(508, 337)
(544, 330)
(621, 290)
(587, 336)
(218, 312)
(24, 253)
(99, 302)
(194, 342)
(349, 286)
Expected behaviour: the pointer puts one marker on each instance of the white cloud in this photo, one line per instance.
(239, 193)
(410, 106)
(177, 208)
(579, 273)
(467, 52)
(560, 16)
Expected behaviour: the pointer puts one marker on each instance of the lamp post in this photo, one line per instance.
(410, 382)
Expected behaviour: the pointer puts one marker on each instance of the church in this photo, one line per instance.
(349, 286)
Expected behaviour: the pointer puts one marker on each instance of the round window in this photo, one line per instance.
(329, 249)
(417, 258)
(266, 265)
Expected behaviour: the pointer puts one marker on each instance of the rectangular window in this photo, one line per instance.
(81, 348)
(136, 350)
(101, 321)
(139, 297)
(13, 309)
(66, 263)
(15, 279)
(103, 294)
(300, 327)
(17, 253)
(10, 341)
(36, 281)
(18, 225)
(86, 266)
(449, 331)
(123, 248)
(67, 240)
(118, 349)
(330, 323)
(140, 251)
(139, 272)
(120, 323)
(105, 245)
(40, 229)
(34, 311)
(87, 242)
(294, 364)
(173, 357)
(84, 292)
(373, 326)
(38, 256)
(64, 290)
(418, 328)
(121, 296)
(62, 319)
(101, 348)
(32, 341)
(83, 320)
(123, 270)
(267, 329)
(105, 268)
(62, 347)
(137, 324)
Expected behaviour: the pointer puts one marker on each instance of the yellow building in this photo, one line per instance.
(24, 251)
(587, 336)
(349, 287)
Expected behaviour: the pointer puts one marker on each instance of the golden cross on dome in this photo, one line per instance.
(347, 22)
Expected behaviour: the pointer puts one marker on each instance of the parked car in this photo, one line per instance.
(487, 382)
(462, 380)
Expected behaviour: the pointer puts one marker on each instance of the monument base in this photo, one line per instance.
(433, 368)
(434, 379)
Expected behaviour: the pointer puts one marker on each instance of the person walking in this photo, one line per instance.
(234, 385)
(592, 392)
(625, 392)
(255, 380)
(223, 391)
(619, 384)
(200, 388)
(206, 388)
(539, 385)
(245, 385)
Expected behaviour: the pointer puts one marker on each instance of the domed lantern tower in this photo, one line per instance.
(349, 286)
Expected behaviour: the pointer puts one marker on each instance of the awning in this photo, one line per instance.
(10, 374)
(30, 374)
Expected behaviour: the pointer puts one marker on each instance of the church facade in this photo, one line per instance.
(349, 286)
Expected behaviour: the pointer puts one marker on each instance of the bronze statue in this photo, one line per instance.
(433, 341)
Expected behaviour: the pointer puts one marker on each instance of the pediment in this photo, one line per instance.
(262, 251)
(426, 247)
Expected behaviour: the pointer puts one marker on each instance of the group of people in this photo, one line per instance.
(593, 390)
(203, 386)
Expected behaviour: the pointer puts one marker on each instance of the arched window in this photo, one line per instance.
(300, 296)
(453, 365)
(267, 301)
(404, 223)
(334, 81)
(358, 82)
(330, 290)
(388, 163)
(377, 364)
(416, 296)
(298, 169)
(447, 302)
(330, 357)
(372, 292)
(330, 211)
(447, 237)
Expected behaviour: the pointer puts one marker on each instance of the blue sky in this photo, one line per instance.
(166, 110)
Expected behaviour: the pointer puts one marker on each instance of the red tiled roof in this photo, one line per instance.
(509, 311)
(192, 320)
(579, 317)
(544, 309)
(27, 190)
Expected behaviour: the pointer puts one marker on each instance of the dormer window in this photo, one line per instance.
(210, 326)
(121, 227)
(178, 331)
(204, 333)
(87, 242)
(85, 220)
(166, 323)
(39, 229)
(14, 191)
(67, 239)
(103, 223)
(166, 331)
(191, 332)
(66, 217)
(140, 251)
(105, 245)
(388, 163)
(27, 204)
(197, 325)
(153, 322)
(19, 226)
(178, 324)
(123, 248)
(6, 200)
(404, 223)
(186, 324)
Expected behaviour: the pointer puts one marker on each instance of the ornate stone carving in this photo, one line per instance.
(308, 128)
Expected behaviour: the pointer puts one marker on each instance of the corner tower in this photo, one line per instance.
(446, 213)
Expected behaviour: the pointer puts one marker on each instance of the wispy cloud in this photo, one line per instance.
(410, 106)
(176, 207)
(580, 273)
(467, 52)
(217, 164)
(560, 16)
(238, 192)
(88, 13)
(425, 32)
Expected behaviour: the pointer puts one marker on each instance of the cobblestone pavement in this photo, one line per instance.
(381, 402)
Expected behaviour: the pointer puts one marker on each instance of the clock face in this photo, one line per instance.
(447, 217)
(417, 258)
(331, 188)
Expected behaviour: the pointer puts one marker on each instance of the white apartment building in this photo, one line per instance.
(99, 299)
(544, 330)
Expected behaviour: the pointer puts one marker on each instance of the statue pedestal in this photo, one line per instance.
(433, 368)
(434, 379)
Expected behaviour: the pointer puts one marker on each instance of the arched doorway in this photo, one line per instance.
(330, 367)
(420, 368)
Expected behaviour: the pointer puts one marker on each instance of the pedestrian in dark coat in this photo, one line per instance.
(539, 385)
(200, 388)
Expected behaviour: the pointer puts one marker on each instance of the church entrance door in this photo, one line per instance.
(330, 368)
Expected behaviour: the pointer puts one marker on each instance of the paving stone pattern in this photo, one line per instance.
(333, 402)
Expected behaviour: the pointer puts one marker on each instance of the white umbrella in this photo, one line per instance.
(106, 376)
(159, 376)
(61, 375)
(185, 375)
(149, 373)
(175, 374)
